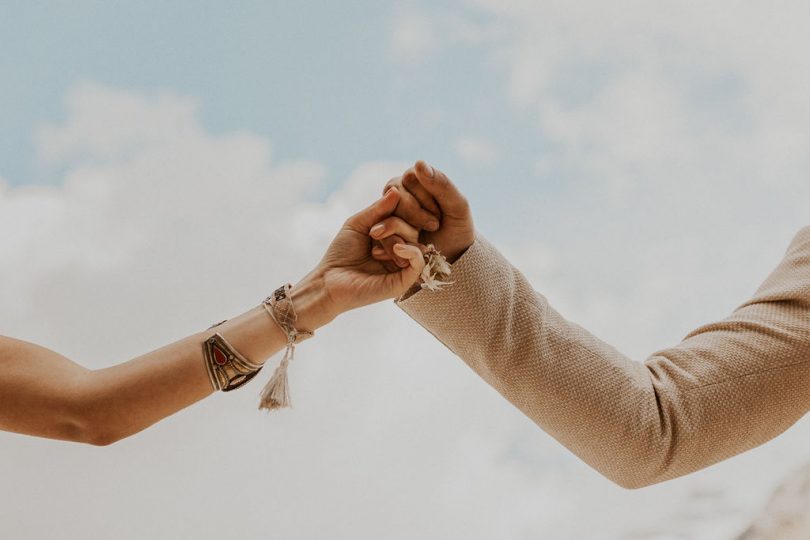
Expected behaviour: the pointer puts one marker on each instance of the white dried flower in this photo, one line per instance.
(436, 270)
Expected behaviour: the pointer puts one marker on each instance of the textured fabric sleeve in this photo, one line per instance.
(728, 386)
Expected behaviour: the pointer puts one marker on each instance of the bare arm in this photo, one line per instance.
(42, 393)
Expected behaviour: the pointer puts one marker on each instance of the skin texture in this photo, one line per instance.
(45, 394)
(428, 194)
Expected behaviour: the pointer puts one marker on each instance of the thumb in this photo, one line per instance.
(379, 210)
(416, 259)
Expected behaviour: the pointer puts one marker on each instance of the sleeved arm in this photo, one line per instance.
(727, 387)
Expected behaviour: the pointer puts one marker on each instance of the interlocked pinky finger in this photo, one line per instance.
(394, 225)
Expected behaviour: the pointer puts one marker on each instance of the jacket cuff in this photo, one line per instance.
(426, 306)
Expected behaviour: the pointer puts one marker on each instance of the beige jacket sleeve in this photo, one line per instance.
(728, 386)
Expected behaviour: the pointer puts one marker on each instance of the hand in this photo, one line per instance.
(427, 193)
(348, 276)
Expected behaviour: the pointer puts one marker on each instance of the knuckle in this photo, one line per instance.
(410, 208)
(392, 182)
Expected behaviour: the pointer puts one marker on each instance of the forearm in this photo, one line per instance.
(121, 400)
(45, 394)
(727, 387)
(576, 388)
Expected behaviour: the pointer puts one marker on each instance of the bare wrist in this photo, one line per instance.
(452, 255)
(312, 305)
(455, 255)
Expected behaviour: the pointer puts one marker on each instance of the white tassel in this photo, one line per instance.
(276, 393)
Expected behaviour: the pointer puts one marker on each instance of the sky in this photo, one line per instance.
(644, 164)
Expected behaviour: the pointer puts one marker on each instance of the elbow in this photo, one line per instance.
(85, 431)
(638, 463)
(101, 437)
(643, 464)
(99, 428)
(90, 431)
(88, 426)
(90, 417)
(634, 481)
(656, 445)
(644, 458)
(634, 474)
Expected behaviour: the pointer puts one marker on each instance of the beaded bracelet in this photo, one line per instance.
(279, 306)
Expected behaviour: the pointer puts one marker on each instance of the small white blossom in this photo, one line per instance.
(436, 270)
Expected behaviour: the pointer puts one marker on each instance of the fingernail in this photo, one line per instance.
(377, 250)
(432, 225)
(429, 169)
(377, 229)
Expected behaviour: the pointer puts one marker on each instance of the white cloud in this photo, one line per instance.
(476, 151)
(678, 130)
(417, 34)
(412, 37)
(109, 124)
(637, 94)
